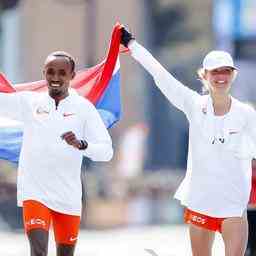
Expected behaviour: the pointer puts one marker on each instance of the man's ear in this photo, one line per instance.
(73, 74)
(44, 72)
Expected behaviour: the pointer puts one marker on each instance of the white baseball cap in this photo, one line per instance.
(218, 59)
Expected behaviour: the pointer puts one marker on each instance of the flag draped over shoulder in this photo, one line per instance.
(99, 84)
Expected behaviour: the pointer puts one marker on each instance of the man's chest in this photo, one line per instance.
(47, 119)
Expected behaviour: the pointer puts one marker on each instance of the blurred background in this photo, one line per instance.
(150, 142)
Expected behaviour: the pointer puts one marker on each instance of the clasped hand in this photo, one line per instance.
(71, 139)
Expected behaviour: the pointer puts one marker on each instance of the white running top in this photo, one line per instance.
(218, 178)
(49, 169)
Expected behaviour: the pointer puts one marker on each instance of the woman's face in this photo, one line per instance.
(220, 79)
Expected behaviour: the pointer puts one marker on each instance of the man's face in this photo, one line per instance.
(58, 74)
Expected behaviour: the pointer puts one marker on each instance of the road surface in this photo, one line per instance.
(138, 241)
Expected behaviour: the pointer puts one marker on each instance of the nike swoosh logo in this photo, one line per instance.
(40, 112)
(73, 239)
(151, 252)
(68, 114)
(233, 132)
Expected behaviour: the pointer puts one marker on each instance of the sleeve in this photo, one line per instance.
(251, 127)
(179, 95)
(12, 105)
(96, 135)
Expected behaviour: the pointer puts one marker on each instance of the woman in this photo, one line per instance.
(216, 188)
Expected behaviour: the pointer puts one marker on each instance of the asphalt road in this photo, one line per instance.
(144, 241)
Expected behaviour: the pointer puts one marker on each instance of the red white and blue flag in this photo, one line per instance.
(99, 84)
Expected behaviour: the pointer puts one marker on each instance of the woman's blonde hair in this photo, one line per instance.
(201, 77)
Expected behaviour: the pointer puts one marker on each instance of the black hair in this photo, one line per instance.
(64, 55)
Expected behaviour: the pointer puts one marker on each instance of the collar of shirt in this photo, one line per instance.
(51, 102)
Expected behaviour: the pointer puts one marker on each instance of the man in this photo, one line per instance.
(59, 128)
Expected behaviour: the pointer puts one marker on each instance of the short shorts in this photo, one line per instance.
(37, 216)
(203, 221)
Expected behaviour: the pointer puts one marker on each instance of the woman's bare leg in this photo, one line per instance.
(235, 235)
(201, 240)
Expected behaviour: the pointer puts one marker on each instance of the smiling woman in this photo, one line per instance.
(216, 188)
(218, 71)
